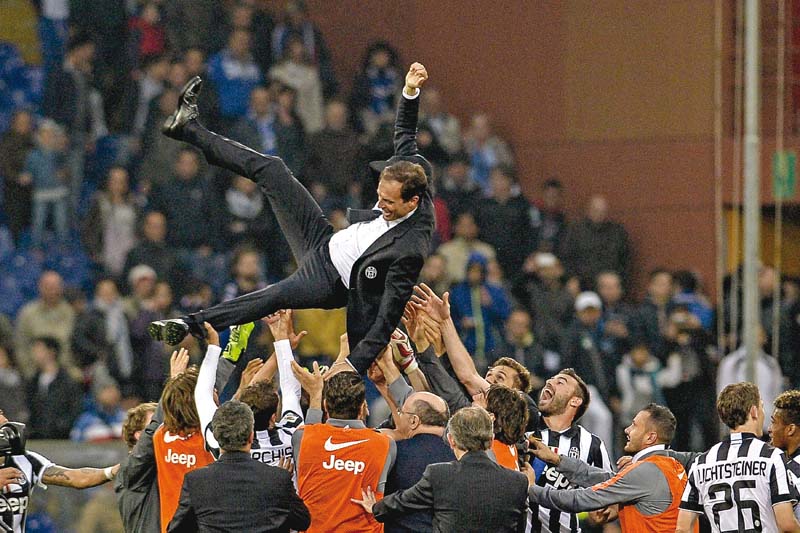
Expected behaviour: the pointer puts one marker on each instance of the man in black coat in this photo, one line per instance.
(472, 493)
(370, 267)
(237, 492)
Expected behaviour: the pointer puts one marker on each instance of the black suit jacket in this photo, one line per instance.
(238, 493)
(473, 494)
(383, 277)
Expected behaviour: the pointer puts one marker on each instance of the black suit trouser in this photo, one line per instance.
(316, 283)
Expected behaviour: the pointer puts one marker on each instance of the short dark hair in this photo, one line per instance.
(523, 374)
(262, 398)
(344, 395)
(51, 343)
(410, 175)
(232, 425)
(135, 421)
(429, 416)
(789, 404)
(663, 421)
(510, 412)
(735, 401)
(471, 429)
(581, 391)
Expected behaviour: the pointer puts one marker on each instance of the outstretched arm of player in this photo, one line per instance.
(204, 390)
(280, 324)
(78, 478)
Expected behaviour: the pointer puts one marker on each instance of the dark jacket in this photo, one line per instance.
(589, 248)
(473, 494)
(239, 493)
(494, 219)
(136, 484)
(383, 277)
(54, 410)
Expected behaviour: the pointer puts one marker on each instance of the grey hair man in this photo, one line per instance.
(237, 492)
(472, 493)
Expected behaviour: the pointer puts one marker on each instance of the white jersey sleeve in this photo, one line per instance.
(204, 393)
(290, 387)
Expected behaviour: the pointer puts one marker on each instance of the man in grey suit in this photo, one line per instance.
(470, 494)
(237, 492)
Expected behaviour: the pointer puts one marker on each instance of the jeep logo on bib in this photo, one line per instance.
(371, 272)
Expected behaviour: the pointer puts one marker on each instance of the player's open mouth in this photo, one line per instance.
(547, 394)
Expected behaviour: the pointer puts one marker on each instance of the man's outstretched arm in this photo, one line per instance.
(78, 478)
(405, 126)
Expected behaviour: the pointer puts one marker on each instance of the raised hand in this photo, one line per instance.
(287, 464)
(416, 77)
(10, 476)
(312, 382)
(412, 320)
(178, 362)
(426, 300)
(433, 334)
(211, 334)
(542, 451)
(250, 371)
(282, 327)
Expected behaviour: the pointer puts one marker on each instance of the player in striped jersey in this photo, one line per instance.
(562, 402)
(35, 470)
(741, 483)
(273, 440)
(784, 430)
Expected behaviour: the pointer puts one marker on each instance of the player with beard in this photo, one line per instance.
(562, 402)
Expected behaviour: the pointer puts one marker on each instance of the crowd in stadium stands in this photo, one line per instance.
(109, 225)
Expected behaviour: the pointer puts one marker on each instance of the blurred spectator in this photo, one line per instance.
(458, 189)
(542, 292)
(54, 397)
(142, 284)
(768, 278)
(520, 344)
(89, 341)
(53, 32)
(445, 127)
(194, 59)
(296, 21)
(486, 150)
(109, 229)
(479, 308)
(442, 231)
(501, 211)
(247, 274)
(249, 15)
(188, 204)
(159, 152)
(733, 369)
(6, 331)
(652, 316)
(45, 168)
(48, 315)
(258, 128)
(15, 145)
(429, 147)
(290, 128)
(639, 378)
(70, 100)
(146, 88)
(376, 87)
(106, 23)
(554, 220)
(102, 420)
(595, 244)
(194, 24)
(617, 317)
(151, 354)
(581, 351)
(790, 359)
(152, 249)
(687, 294)
(434, 273)
(234, 74)
(13, 402)
(147, 34)
(465, 242)
(120, 360)
(249, 218)
(333, 152)
(295, 71)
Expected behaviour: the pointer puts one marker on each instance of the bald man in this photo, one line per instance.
(421, 422)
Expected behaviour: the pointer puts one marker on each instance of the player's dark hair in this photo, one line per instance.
(344, 395)
(410, 175)
(262, 398)
(735, 401)
(523, 379)
(135, 421)
(789, 404)
(581, 391)
(663, 421)
(510, 412)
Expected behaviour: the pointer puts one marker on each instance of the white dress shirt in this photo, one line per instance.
(347, 245)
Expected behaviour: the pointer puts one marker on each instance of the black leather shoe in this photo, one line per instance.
(187, 109)
(170, 331)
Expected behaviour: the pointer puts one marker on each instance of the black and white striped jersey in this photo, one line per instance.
(16, 498)
(575, 442)
(272, 445)
(737, 482)
(793, 466)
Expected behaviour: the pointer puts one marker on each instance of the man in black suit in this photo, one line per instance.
(237, 492)
(472, 493)
(370, 267)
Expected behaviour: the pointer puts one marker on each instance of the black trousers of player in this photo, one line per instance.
(316, 283)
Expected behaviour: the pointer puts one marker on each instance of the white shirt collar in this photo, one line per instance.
(393, 223)
(646, 451)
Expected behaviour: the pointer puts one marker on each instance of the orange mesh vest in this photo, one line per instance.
(632, 521)
(506, 454)
(335, 463)
(175, 456)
